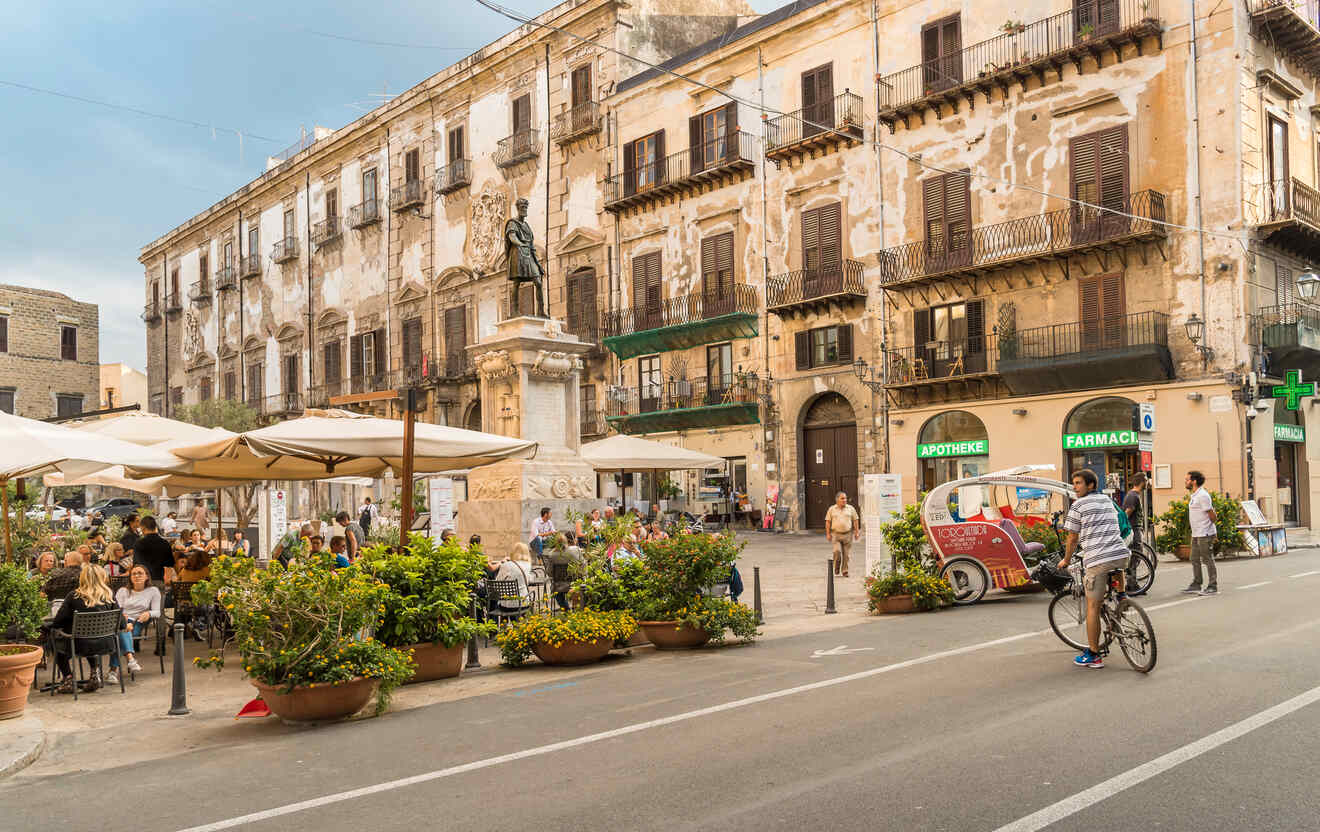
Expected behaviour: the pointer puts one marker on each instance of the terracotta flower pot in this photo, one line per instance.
(1183, 551)
(637, 639)
(667, 635)
(16, 671)
(572, 652)
(435, 661)
(316, 704)
(897, 604)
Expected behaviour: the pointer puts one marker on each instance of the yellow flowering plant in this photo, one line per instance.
(428, 592)
(307, 625)
(928, 590)
(579, 626)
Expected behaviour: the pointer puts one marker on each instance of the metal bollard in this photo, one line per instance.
(472, 659)
(756, 594)
(179, 693)
(829, 587)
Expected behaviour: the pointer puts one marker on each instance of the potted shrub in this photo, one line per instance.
(1175, 534)
(427, 603)
(905, 537)
(22, 607)
(609, 589)
(1228, 513)
(671, 605)
(575, 637)
(910, 588)
(301, 634)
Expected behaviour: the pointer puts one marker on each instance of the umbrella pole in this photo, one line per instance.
(9, 545)
(406, 503)
(219, 518)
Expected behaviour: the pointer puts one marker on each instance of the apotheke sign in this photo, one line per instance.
(1099, 439)
(977, 447)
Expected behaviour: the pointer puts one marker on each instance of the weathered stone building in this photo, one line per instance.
(49, 353)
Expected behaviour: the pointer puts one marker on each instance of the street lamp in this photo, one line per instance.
(1195, 332)
(866, 374)
(1308, 284)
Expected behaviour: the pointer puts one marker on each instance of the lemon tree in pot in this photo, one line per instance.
(427, 602)
(673, 605)
(302, 635)
(22, 606)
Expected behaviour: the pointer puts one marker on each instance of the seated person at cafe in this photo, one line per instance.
(338, 545)
(132, 533)
(564, 550)
(97, 541)
(315, 544)
(475, 540)
(169, 524)
(92, 595)
(141, 604)
(196, 567)
(45, 563)
(72, 569)
(290, 537)
(195, 538)
(153, 551)
(115, 561)
(218, 544)
(241, 545)
(513, 568)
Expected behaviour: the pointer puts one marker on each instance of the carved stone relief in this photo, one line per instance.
(490, 210)
(494, 364)
(562, 487)
(555, 364)
(500, 488)
(192, 336)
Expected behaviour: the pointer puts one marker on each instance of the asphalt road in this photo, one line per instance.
(971, 719)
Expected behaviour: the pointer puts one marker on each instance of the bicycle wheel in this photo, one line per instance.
(1132, 627)
(1140, 574)
(1068, 619)
(1151, 555)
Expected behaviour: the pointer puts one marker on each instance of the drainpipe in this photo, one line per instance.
(1196, 164)
(545, 267)
(765, 253)
(884, 297)
(165, 281)
(307, 227)
(430, 280)
(389, 229)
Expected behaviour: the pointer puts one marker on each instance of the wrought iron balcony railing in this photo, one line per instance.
(285, 250)
(364, 213)
(454, 176)
(936, 361)
(817, 124)
(593, 424)
(517, 148)
(582, 120)
(1290, 200)
(1023, 50)
(1292, 27)
(369, 383)
(407, 195)
(173, 302)
(679, 394)
(707, 162)
(288, 403)
(226, 279)
(1055, 341)
(804, 287)
(685, 309)
(151, 312)
(200, 292)
(987, 247)
(249, 265)
(326, 231)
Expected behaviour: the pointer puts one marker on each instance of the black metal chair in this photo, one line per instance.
(89, 625)
(119, 582)
(184, 611)
(559, 575)
(497, 591)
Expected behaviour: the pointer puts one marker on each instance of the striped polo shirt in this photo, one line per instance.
(1095, 520)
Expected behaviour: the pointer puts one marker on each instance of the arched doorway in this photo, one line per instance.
(829, 455)
(473, 420)
(1101, 434)
(952, 445)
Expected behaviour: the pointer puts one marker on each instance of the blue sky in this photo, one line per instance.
(87, 186)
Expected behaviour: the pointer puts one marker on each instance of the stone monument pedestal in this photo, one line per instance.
(529, 372)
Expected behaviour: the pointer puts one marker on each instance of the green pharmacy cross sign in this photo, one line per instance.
(1293, 391)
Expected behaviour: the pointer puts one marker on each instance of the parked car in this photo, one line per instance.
(73, 503)
(117, 507)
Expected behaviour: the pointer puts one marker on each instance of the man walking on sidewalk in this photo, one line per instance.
(1201, 517)
(842, 527)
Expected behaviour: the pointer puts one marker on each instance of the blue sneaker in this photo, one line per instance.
(1089, 659)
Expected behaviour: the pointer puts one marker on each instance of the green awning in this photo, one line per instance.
(707, 416)
(683, 336)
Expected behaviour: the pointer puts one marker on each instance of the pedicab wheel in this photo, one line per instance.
(968, 578)
(1136, 636)
(1068, 619)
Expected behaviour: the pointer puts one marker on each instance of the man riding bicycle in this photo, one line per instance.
(1092, 521)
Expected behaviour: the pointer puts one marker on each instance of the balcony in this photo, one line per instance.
(200, 293)
(249, 265)
(682, 404)
(810, 291)
(1131, 349)
(326, 231)
(587, 329)
(173, 303)
(364, 213)
(714, 164)
(151, 313)
(1293, 27)
(1057, 234)
(949, 370)
(454, 176)
(681, 322)
(577, 123)
(1090, 28)
(408, 195)
(456, 367)
(1290, 218)
(520, 147)
(593, 425)
(226, 279)
(285, 250)
(815, 130)
(1290, 338)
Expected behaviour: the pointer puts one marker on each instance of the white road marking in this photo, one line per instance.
(1102, 791)
(1305, 574)
(1253, 586)
(841, 650)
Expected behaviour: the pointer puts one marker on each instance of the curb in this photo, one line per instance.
(21, 748)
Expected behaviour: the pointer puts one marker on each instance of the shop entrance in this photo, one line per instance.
(829, 456)
(1101, 435)
(1289, 437)
(951, 446)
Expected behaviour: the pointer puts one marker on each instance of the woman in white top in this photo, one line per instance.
(140, 602)
(515, 569)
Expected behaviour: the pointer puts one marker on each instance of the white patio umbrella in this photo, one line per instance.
(337, 443)
(29, 447)
(630, 453)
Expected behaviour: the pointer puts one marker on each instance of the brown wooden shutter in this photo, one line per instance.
(817, 99)
(951, 44)
(845, 344)
(455, 338)
(933, 210)
(975, 310)
(696, 148)
(958, 215)
(522, 114)
(920, 330)
(941, 43)
(811, 242)
(380, 351)
(455, 144)
(1101, 310)
(730, 131)
(355, 356)
(802, 349)
(809, 102)
(646, 291)
(412, 343)
(660, 167)
(581, 85)
(1112, 150)
(1084, 178)
(412, 168)
(1284, 288)
(4, 334)
(831, 238)
(629, 169)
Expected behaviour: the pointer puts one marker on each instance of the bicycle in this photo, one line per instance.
(1140, 566)
(1120, 618)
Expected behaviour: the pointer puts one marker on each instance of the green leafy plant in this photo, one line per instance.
(606, 589)
(1174, 527)
(1040, 533)
(1228, 511)
(675, 575)
(1085, 31)
(384, 533)
(578, 626)
(928, 591)
(429, 588)
(717, 616)
(22, 606)
(305, 625)
(666, 489)
(905, 537)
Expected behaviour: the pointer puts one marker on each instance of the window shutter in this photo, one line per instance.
(930, 47)
(811, 241)
(731, 130)
(629, 169)
(824, 114)
(660, 166)
(920, 330)
(831, 238)
(1111, 309)
(653, 282)
(4, 334)
(951, 43)
(581, 86)
(355, 356)
(455, 333)
(587, 298)
(412, 164)
(1088, 293)
(380, 351)
(1284, 288)
(958, 212)
(932, 192)
(1083, 168)
(639, 281)
(845, 344)
(330, 364)
(1112, 150)
(724, 264)
(695, 146)
(802, 349)
(975, 327)
(412, 343)
(522, 114)
(709, 274)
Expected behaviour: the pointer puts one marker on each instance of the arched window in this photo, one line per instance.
(950, 446)
(1101, 435)
(1112, 413)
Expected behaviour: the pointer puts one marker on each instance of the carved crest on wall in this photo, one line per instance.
(498, 488)
(494, 364)
(555, 364)
(192, 336)
(490, 210)
(562, 487)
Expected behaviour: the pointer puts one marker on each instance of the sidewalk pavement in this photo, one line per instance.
(21, 741)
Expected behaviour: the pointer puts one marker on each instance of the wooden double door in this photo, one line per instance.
(829, 466)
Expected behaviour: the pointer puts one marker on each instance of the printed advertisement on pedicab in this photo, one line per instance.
(987, 543)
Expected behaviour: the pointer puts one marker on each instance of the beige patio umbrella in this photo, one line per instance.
(29, 447)
(631, 453)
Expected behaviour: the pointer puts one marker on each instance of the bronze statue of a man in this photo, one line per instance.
(523, 265)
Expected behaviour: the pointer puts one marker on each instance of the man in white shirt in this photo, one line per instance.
(1201, 517)
(542, 529)
(169, 527)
